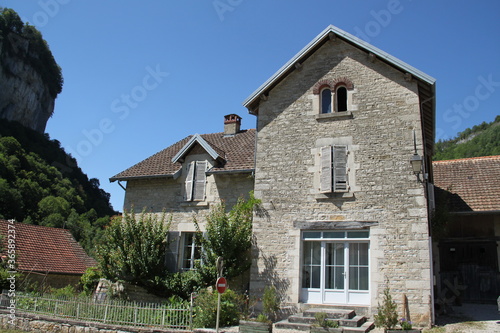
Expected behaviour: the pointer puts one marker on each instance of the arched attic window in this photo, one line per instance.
(333, 95)
(326, 100)
(341, 99)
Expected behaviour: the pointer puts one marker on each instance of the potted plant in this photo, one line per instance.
(324, 325)
(264, 321)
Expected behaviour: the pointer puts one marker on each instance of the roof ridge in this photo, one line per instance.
(467, 158)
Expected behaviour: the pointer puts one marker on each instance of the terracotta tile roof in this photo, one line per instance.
(473, 184)
(238, 152)
(46, 250)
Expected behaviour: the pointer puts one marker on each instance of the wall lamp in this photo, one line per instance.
(416, 160)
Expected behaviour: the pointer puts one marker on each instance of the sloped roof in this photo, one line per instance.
(46, 250)
(237, 152)
(325, 35)
(426, 83)
(473, 184)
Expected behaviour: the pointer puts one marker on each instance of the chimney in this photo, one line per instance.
(232, 123)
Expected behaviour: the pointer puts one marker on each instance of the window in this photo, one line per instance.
(191, 251)
(334, 170)
(326, 101)
(341, 99)
(196, 181)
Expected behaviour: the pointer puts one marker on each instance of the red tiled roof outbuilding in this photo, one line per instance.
(46, 250)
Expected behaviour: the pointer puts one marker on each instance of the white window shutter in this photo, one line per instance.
(200, 181)
(189, 181)
(340, 183)
(326, 170)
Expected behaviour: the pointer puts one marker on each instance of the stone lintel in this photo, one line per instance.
(329, 225)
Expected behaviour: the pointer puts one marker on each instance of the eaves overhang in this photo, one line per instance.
(252, 102)
(113, 179)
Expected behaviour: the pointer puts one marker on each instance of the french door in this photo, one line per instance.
(335, 267)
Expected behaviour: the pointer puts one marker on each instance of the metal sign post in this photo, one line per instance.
(220, 285)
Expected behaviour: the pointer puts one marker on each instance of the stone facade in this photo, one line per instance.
(384, 197)
(160, 195)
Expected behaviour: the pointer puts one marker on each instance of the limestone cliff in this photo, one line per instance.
(24, 96)
(30, 78)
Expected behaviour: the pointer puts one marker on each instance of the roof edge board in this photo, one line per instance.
(113, 179)
(196, 138)
(352, 39)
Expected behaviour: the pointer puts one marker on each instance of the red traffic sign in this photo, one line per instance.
(221, 285)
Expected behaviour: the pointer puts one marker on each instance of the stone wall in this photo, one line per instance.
(384, 113)
(24, 97)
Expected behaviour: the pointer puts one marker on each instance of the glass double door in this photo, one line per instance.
(335, 272)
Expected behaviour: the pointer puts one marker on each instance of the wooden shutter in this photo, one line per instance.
(200, 181)
(189, 181)
(171, 257)
(340, 169)
(326, 170)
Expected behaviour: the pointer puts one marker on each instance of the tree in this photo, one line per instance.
(228, 235)
(133, 248)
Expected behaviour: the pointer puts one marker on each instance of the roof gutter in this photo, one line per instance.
(113, 179)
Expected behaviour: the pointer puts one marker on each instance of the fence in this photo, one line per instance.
(178, 316)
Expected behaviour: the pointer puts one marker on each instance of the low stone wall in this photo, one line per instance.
(34, 323)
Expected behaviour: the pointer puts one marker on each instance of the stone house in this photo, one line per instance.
(466, 255)
(49, 257)
(188, 177)
(345, 216)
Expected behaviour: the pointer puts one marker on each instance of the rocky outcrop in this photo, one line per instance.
(24, 96)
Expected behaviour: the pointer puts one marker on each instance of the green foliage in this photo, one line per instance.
(205, 312)
(33, 190)
(270, 302)
(481, 140)
(24, 42)
(63, 293)
(181, 284)
(133, 248)
(405, 324)
(90, 279)
(322, 321)
(387, 316)
(228, 235)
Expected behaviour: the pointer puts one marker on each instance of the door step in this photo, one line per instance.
(347, 319)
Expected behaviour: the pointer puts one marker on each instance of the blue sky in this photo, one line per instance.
(141, 75)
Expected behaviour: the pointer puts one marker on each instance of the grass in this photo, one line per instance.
(2, 330)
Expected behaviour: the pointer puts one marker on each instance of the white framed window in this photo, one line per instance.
(196, 180)
(190, 251)
(334, 169)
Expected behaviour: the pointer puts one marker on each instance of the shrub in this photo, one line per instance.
(270, 302)
(89, 280)
(387, 316)
(321, 320)
(205, 312)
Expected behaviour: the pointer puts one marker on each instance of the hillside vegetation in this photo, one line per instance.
(41, 184)
(480, 140)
